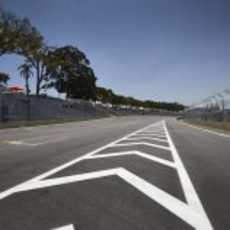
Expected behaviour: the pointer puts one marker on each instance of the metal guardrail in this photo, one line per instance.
(215, 107)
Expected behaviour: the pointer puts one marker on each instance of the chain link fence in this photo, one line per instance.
(215, 107)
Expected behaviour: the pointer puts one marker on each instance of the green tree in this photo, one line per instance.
(4, 77)
(26, 72)
(104, 95)
(18, 36)
(69, 72)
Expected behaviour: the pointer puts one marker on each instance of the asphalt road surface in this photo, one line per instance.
(143, 172)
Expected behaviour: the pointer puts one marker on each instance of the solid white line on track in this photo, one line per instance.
(189, 191)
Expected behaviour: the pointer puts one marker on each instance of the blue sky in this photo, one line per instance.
(165, 50)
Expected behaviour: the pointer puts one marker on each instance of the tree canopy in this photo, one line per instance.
(18, 36)
(4, 78)
(69, 72)
(108, 96)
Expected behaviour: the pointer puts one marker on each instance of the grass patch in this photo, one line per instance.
(211, 124)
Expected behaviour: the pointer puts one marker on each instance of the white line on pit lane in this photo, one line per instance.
(66, 227)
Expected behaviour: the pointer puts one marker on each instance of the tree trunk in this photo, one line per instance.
(28, 98)
(38, 83)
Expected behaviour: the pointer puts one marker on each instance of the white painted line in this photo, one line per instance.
(21, 143)
(48, 137)
(205, 130)
(189, 191)
(163, 137)
(176, 206)
(156, 159)
(113, 154)
(14, 189)
(25, 143)
(146, 138)
(171, 203)
(152, 128)
(66, 227)
(67, 179)
(155, 127)
(12, 142)
(151, 134)
(141, 143)
(138, 153)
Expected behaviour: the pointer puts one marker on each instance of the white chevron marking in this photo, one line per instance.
(191, 212)
(147, 138)
(138, 153)
(142, 143)
(174, 205)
